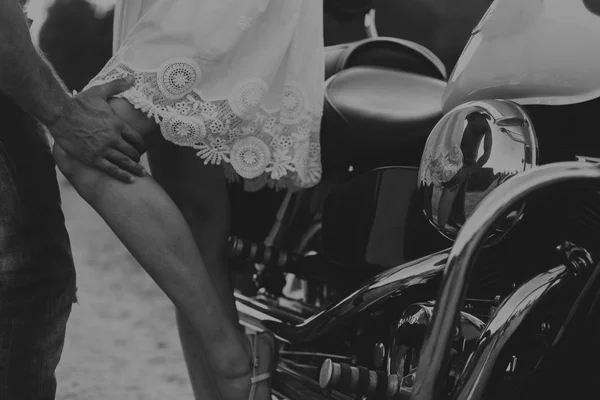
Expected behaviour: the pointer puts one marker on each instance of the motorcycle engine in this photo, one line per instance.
(408, 334)
(395, 377)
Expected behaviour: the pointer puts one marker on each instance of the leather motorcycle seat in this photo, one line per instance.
(388, 52)
(379, 117)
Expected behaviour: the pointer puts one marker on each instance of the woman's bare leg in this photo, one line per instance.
(151, 226)
(186, 179)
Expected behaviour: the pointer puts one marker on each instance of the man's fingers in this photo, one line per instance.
(114, 171)
(133, 138)
(115, 87)
(126, 163)
(128, 150)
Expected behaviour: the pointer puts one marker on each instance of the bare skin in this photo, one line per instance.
(185, 178)
(149, 222)
(83, 125)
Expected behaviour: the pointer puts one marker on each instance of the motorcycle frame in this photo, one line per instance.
(451, 295)
(375, 294)
(290, 329)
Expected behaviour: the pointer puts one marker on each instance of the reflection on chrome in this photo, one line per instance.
(471, 151)
(451, 295)
(509, 317)
(381, 289)
(409, 334)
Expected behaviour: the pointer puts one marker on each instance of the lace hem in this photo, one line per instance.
(439, 166)
(279, 148)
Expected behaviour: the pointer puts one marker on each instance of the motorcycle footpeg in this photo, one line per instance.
(361, 381)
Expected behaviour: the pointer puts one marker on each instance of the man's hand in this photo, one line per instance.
(89, 131)
(84, 126)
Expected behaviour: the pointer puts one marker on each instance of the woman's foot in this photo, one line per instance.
(263, 365)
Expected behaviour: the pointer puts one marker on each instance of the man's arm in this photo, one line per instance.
(24, 75)
(84, 125)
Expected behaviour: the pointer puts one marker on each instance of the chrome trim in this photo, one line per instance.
(379, 290)
(472, 150)
(278, 224)
(499, 331)
(430, 378)
(370, 24)
(254, 313)
(307, 236)
(314, 354)
(289, 384)
(588, 159)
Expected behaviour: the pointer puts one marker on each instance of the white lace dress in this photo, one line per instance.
(240, 81)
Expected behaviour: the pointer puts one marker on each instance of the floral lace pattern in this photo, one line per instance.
(279, 148)
(245, 22)
(441, 165)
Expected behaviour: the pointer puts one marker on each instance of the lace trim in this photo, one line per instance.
(279, 148)
(440, 166)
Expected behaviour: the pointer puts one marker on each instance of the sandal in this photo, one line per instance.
(255, 339)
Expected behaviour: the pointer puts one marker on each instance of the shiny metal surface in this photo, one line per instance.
(254, 313)
(460, 262)
(293, 385)
(471, 151)
(410, 330)
(407, 339)
(377, 292)
(512, 313)
(370, 24)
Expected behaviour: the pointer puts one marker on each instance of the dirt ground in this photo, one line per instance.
(122, 341)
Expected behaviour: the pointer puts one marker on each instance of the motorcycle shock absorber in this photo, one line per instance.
(364, 382)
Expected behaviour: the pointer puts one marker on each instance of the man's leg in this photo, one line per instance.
(37, 276)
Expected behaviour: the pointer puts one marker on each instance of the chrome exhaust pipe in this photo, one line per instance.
(460, 263)
(380, 289)
(515, 310)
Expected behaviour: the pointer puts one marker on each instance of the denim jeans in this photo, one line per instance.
(37, 275)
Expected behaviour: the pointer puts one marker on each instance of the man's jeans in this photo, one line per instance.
(37, 276)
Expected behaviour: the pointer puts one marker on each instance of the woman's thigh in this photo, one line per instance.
(199, 190)
(136, 119)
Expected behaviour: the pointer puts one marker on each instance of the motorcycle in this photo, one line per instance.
(470, 271)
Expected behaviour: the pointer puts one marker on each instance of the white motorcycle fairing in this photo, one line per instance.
(543, 52)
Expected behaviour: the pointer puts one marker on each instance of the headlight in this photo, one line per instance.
(471, 151)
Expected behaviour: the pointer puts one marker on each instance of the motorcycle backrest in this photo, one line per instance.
(386, 52)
